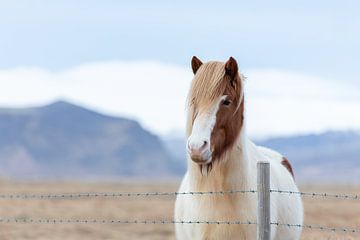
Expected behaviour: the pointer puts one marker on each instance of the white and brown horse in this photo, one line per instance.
(221, 158)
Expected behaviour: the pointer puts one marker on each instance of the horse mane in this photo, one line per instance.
(207, 84)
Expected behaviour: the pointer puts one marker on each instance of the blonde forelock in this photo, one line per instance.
(207, 84)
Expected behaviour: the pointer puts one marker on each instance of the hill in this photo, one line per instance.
(332, 157)
(62, 140)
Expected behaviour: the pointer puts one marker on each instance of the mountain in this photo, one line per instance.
(176, 146)
(63, 140)
(330, 157)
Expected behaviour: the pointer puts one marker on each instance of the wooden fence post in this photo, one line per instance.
(263, 207)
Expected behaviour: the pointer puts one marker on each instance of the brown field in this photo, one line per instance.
(326, 212)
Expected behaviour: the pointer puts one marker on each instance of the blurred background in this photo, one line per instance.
(96, 90)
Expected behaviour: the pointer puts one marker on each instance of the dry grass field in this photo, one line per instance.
(327, 212)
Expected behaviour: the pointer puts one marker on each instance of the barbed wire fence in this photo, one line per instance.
(88, 195)
(75, 195)
(167, 221)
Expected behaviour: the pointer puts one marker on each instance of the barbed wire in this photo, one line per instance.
(115, 194)
(151, 222)
(322, 195)
(149, 194)
(315, 227)
(117, 221)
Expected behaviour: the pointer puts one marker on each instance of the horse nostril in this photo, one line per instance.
(204, 145)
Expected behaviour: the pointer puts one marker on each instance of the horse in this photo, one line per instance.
(220, 157)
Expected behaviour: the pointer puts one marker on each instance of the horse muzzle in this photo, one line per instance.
(200, 156)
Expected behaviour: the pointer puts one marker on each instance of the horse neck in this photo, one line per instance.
(232, 171)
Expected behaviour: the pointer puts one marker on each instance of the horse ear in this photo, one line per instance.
(195, 64)
(231, 67)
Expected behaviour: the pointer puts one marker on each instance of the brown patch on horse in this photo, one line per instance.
(287, 165)
(229, 118)
(226, 130)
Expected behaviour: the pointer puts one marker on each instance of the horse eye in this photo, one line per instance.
(226, 102)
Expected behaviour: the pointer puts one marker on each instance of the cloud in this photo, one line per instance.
(282, 103)
(278, 102)
(150, 92)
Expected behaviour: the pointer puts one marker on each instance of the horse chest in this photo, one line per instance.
(222, 232)
(218, 209)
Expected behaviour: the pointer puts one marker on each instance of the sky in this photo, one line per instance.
(132, 58)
